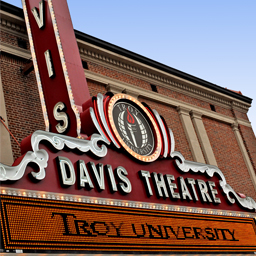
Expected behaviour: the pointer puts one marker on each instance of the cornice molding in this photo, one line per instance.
(238, 106)
(243, 122)
(112, 88)
(12, 27)
(116, 86)
(4, 47)
(161, 78)
(151, 80)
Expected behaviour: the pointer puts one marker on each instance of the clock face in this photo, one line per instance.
(134, 127)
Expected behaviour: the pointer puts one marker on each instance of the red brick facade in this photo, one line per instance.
(240, 115)
(173, 121)
(21, 96)
(193, 101)
(95, 88)
(228, 156)
(10, 39)
(118, 76)
(249, 141)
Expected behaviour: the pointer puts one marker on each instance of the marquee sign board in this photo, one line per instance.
(107, 176)
(89, 167)
(48, 225)
(110, 168)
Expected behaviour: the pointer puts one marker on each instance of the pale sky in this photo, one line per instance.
(214, 40)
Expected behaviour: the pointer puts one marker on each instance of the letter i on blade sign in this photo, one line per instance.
(60, 76)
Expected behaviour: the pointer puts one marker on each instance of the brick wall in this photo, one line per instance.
(194, 101)
(229, 157)
(250, 143)
(240, 115)
(173, 121)
(99, 69)
(118, 75)
(23, 106)
(96, 87)
(10, 39)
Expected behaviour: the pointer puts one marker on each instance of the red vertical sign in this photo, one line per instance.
(59, 72)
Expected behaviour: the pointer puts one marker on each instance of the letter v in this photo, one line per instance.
(39, 17)
(175, 233)
(99, 176)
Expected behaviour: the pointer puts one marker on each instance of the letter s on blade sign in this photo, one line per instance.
(59, 72)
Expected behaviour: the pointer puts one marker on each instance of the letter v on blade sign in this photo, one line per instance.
(60, 76)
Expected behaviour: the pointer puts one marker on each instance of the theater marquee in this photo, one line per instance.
(47, 225)
(94, 195)
(105, 175)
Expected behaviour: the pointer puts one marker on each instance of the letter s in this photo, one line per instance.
(126, 185)
(60, 116)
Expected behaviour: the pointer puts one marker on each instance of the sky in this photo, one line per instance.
(214, 40)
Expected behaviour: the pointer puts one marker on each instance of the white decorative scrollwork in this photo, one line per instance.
(40, 156)
(210, 170)
(163, 131)
(103, 118)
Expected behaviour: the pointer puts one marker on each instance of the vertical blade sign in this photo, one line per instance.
(60, 77)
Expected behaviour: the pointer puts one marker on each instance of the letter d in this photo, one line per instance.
(66, 170)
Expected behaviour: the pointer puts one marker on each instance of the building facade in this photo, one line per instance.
(209, 123)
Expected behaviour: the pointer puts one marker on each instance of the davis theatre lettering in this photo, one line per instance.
(165, 185)
(68, 176)
(52, 225)
(188, 188)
